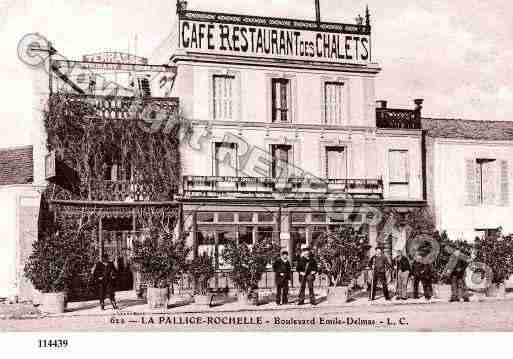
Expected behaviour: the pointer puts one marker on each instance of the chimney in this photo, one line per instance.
(418, 103)
(381, 104)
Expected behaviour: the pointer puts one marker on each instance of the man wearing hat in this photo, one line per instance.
(307, 268)
(379, 264)
(283, 274)
(104, 276)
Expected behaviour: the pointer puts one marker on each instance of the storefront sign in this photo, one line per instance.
(115, 58)
(274, 38)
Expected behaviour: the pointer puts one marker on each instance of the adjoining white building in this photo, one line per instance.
(469, 176)
(19, 208)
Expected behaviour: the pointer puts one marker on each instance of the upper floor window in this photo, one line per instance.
(225, 159)
(223, 97)
(281, 159)
(398, 165)
(487, 182)
(486, 179)
(281, 96)
(336, 162)
(333, 103)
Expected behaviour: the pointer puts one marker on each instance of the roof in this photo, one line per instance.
(16, 166)
(466, 129)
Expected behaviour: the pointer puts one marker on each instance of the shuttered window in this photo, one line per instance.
(223, 97)
(471, 174)
(487, 182)
(333, 103)
(336, 162)
(281, 100)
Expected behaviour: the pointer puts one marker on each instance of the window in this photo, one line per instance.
(223, 97)
(486, 176)
(281, 158)
(206, 217)
(225, 217)
(399, 173)
(281, 100)
(225, 159)
(336, 162)
(265, 217)
(144, 87)
(487, 182)
(246, 235)
(333, 103)
(398, 165)
(245, 217)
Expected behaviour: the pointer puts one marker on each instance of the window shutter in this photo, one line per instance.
(504, 187)
(470, 182)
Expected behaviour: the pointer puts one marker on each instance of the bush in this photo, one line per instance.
(57, 260)
(342, 255)
(202, 270)
(160, 259)
(249, 263)
(497, 253)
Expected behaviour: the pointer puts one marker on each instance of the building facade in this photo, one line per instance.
(469, 176)
(288, 140)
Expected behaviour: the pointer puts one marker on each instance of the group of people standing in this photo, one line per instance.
(420, 269)
(399, 269)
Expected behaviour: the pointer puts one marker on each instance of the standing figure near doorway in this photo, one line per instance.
(379, 263)
(283, 275)
(104, 277)
(307, 268)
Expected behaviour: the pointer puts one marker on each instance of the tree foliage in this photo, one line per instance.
(342, 254)
(496, 251)
(249, 262)
(88, 143)
(161, 259)
(201, 268)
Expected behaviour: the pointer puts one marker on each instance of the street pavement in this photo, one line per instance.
(481, 314)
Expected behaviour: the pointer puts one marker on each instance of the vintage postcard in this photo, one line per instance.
(301, 165)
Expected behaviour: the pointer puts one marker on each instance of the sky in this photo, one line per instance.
(457, 55)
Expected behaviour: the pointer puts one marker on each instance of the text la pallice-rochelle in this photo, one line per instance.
(279, 42)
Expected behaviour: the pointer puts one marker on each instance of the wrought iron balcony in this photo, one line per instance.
(121, 107)
(395, 118)
(266, 187)
(124, 191)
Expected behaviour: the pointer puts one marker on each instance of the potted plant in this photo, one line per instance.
(496, 252)
(160, 261)
(342, 258)
(248, 265)
(57, 259)
(201, 268)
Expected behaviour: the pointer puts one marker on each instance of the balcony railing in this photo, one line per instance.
(266, 187)
(122, 107)
(398, 118)
(123, 191)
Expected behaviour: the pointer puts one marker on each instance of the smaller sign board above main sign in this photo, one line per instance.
(115, 58)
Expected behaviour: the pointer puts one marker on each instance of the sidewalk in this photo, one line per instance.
(129, 305)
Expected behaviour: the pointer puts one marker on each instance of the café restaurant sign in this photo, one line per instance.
(252, 36)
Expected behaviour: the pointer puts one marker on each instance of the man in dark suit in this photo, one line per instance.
(283, 275)
(422, 273)
(379, 263)
(307, 268)
(104, 276)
